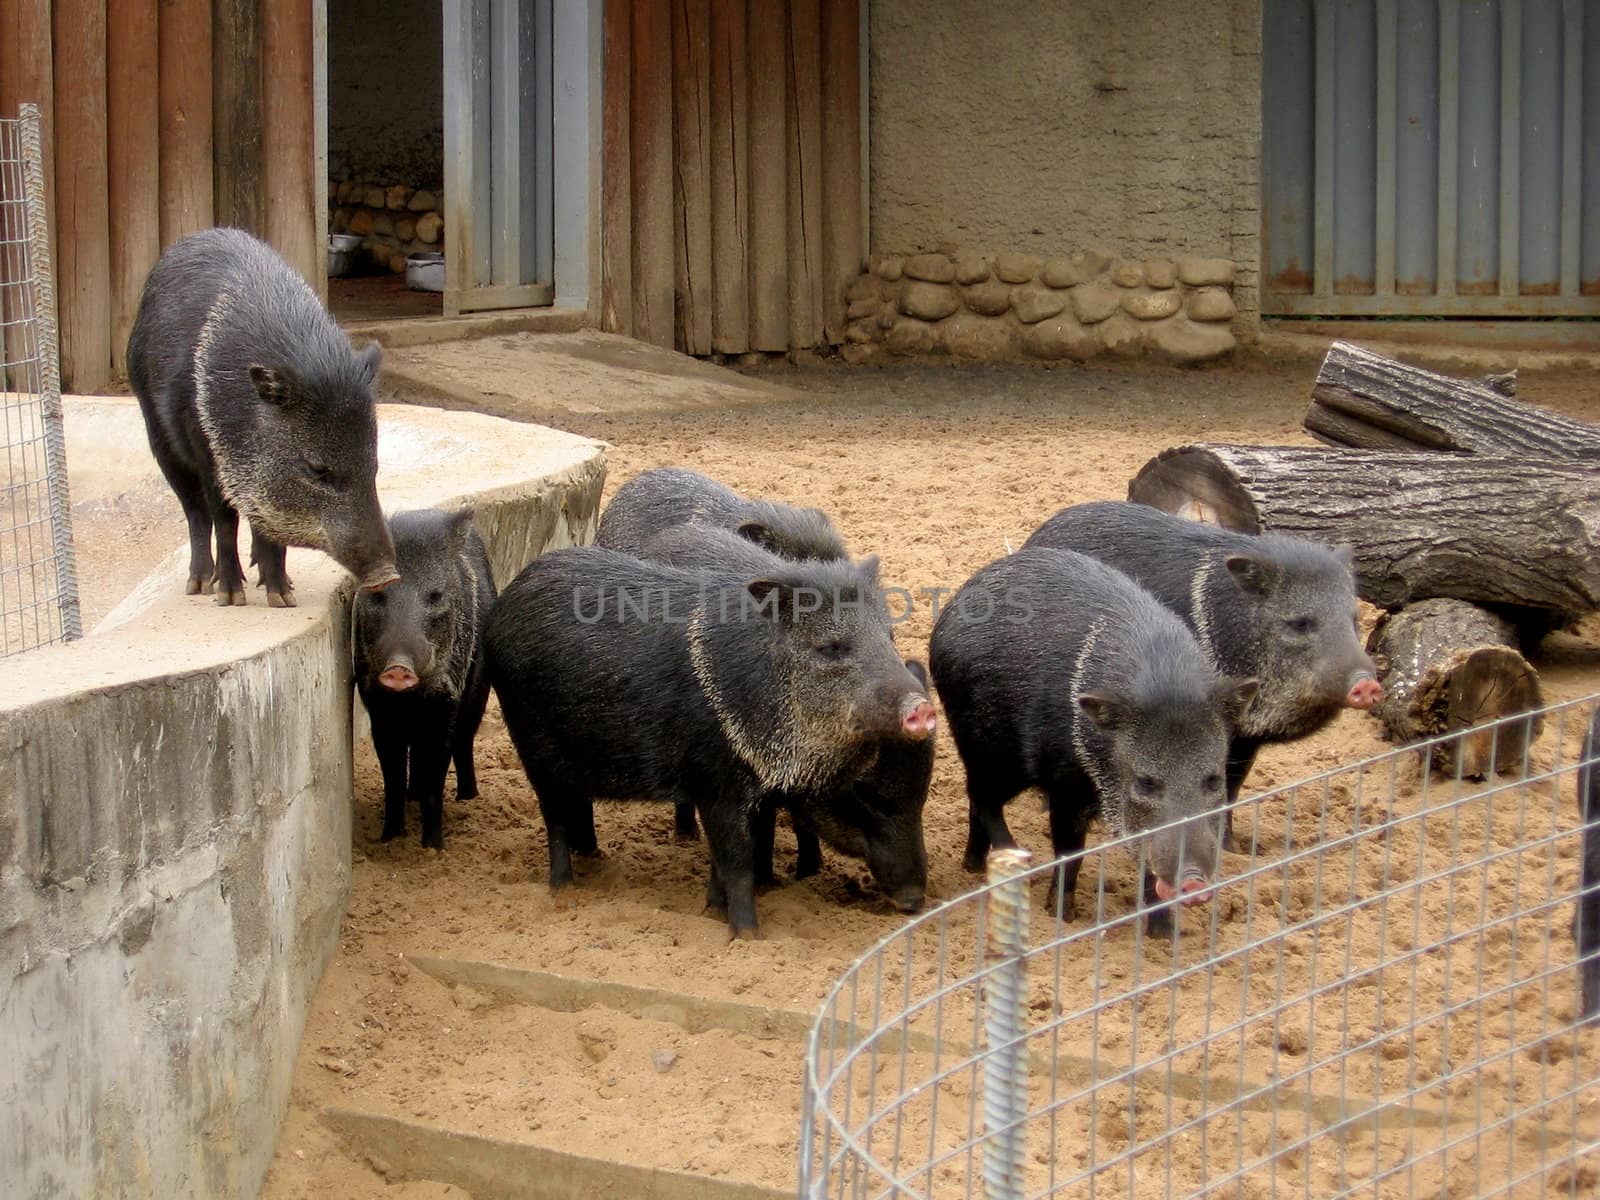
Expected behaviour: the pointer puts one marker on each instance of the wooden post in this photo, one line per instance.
(804, 96)
(133, 155)
(288, 138)
(768, 68)
(83, 234)
(184, 94)
(236, 114)
(691, 177)
(650, 144)
(616, 189)
(730, 179)
(841, 169)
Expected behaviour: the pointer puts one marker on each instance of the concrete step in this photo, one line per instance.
(491, 1168)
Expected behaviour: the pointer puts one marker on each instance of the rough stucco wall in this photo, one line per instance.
(386, 91)
(1046, 128)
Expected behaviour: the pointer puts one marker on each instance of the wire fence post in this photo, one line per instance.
(1005, 1063)
(44, 314)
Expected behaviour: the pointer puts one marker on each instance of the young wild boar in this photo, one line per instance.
(1060, 673)
(255, 404)
(419, 665)
(1281, 609)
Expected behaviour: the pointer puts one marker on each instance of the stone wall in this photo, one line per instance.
(1020, 306)
(1023, 127)
(393, 220)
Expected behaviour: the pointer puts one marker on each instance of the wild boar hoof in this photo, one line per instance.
(226, 597)
(741, 935)
(390, 832)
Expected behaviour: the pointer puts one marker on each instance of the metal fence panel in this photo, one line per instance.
(1387, 1002)
(1431, 157)
(38, 575)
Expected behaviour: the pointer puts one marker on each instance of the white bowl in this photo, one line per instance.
(425, 272)
(344, 241)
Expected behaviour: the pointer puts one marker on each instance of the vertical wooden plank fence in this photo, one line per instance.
(733, 207)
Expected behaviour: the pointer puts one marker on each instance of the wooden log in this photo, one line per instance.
(650, 143)
(730, 180)
(133, 146)
(804, 151)
(1448, 666)
(768, 68)
(1521, 532)
(288, 140)
(616, 192)
(83, 229)
(184, 94)
(236, 114)
(691, 176)
(1367, 401)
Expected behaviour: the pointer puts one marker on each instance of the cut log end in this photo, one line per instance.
(1474, 688)
(1449, 667)
(1190, 481)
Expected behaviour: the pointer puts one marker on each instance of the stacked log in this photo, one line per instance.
(394, 220)
(1472, 517)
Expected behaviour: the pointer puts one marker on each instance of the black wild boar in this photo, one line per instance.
(419, 665)
(1281, 609)
(255, 404)
(621, 678)
(1060, 673)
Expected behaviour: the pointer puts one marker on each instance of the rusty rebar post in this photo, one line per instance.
(1005, 1059)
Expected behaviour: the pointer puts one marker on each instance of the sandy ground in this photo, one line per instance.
(939, 471)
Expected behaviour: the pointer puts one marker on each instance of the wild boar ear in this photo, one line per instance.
(868, 566)
(1253, 575)
(1347, 556)
(1104, 709)
(759, 533)
(272, 386)
(771, 597)
(1236, 695)
(369, 358)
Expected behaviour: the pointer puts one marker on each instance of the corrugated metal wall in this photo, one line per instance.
(732, 202)
(1431, 157)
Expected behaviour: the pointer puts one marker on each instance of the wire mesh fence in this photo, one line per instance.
(1385, 1001)
(38, 579)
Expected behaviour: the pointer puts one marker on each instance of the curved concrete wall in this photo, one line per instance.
(175, 825)
(1045, 129)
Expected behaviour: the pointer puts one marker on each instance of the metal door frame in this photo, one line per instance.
(499, 195)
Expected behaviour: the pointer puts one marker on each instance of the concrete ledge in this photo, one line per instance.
(175, 795)
(429, 331)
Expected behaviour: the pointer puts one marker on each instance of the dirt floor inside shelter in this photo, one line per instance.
(937, 469)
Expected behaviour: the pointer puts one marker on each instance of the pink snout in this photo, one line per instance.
(1364, 692)
(398, 678)
(1194, 890)
(919, 721)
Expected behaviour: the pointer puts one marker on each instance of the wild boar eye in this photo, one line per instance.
(832, 651)
(435, 598)
(1212, 783)
(317, 469)
(1146, 785)
(1302, 625)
